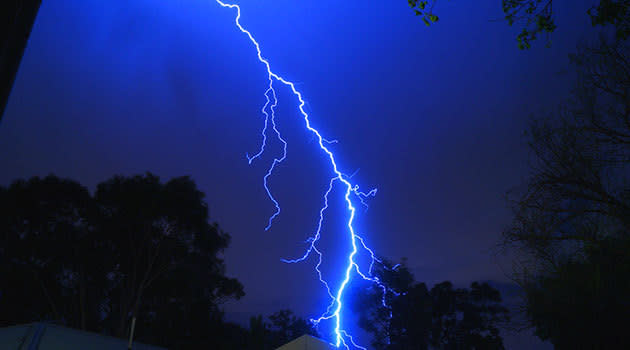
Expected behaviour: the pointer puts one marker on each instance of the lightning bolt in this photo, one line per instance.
(334, 311)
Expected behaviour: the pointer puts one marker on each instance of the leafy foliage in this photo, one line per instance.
(424, 9)
(614, 12)
(536, 17)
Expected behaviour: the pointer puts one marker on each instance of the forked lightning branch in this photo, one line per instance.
(335, 310)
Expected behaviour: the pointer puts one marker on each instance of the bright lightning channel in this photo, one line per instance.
(335, 308)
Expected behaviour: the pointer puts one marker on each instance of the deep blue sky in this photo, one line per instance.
(433, 117)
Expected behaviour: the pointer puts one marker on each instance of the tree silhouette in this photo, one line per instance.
(49, 260)
(285, 326)
(280, 328)
(137, 248)
(570, 231)
(443, 317)
(160, 233)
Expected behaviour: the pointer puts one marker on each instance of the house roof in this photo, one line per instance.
(307, 342)
(44, 336)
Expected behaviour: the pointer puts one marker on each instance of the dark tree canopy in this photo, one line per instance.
(582, 303)
(137, 248)
(285, 326)
(571, 226)
(443, 317)
(161, 234)
(49, 262)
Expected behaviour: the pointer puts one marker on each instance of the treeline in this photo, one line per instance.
(136, 248)
(409, 315)
(140, 248)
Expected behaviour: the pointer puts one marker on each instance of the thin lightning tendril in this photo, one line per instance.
(335, 308)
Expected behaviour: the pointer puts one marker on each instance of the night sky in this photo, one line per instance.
(432, 117)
